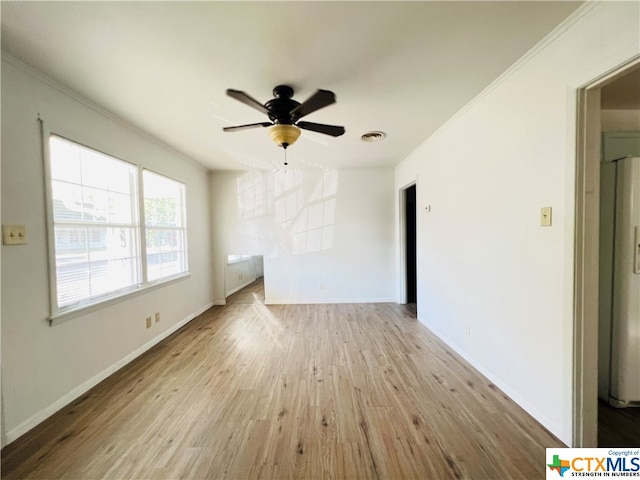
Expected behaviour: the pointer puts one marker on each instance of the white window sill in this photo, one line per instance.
(75, 311)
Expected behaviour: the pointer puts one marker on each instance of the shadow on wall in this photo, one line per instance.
(302, 203)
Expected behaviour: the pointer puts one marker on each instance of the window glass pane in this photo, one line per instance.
(73, 284)
(164, 212)
(95, 205)
(67, 202)
(166, 261)
(96, 236)
(93, 261)
(166, 253)
(105, 273)
(120, 210)
(165, 226)
(110, 253)
(67, 164)
(71, 244)
(72, 266)
(158, 186)
(164, 200)
(98, 170)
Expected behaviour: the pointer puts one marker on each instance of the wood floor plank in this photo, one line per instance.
(248, 391)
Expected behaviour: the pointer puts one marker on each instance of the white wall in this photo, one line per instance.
(44, 367)
(326, 235)
(484, 262)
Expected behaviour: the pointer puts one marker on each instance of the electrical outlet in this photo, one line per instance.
(240, 276)
(148, 322)
(157, 317)
(467, 330)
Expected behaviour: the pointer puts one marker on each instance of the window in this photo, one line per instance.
(237, 258)
(165, 227)
(97, 248)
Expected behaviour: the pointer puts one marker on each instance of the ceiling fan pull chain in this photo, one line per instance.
(285, 157)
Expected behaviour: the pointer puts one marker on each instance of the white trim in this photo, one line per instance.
(543, 419)
(45, 135)
(310, 301)
(69, 314)
(142, 232)
(65, 400)
(220, 302)
(513, 69)
(240, 287)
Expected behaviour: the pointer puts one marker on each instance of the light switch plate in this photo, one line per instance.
(545, 217)
(14, 235)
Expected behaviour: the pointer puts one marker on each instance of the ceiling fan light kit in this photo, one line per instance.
(284, 135)
(284, 114)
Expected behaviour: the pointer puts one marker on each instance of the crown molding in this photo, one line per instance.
(549, 39)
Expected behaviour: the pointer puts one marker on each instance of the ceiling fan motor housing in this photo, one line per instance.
(280, 107)
(283, 91)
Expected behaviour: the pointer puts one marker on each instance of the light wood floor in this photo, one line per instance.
(247, 391)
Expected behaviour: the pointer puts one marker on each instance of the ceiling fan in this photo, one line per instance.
(285, 113)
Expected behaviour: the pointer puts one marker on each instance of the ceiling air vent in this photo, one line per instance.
(373, 136)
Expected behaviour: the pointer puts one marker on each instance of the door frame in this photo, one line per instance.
(586, 256)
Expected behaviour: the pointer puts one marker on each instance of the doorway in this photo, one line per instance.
(241, 271)
(410, 245)
(587, 256)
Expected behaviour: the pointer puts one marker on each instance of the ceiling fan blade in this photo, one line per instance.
(318, 100)
(247, 100)
(332, 130)
(246, 127)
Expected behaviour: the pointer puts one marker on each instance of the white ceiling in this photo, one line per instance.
(400, 67)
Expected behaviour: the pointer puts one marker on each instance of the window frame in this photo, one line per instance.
(59, 314)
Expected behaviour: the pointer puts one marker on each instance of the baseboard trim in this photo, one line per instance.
(543, 419)
(65, 400)
(240, 287)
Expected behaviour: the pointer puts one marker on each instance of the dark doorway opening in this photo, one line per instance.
(410, 245)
